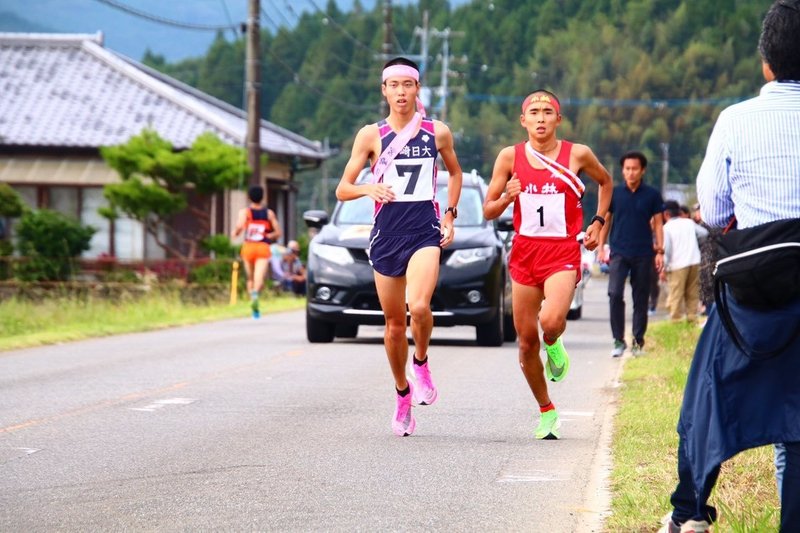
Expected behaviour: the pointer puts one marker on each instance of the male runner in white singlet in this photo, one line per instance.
(410, 228)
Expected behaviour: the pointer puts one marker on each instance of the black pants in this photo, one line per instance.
(640, 270)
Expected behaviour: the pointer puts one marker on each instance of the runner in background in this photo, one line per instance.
(260, 227)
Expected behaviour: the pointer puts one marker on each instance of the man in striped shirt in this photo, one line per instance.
(733, 402)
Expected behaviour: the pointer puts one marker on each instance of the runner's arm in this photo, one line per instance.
(363, 150)
(446, 148)
(276, 232)
(504, 186)
(589, 164)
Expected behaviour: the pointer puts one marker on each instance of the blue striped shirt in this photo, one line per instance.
(752, 163)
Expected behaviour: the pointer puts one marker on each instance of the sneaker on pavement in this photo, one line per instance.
(619, 348)
(425, 392)
(637, 349)
(403, 422)
(549, 425)
(557, 365)
(254, 308)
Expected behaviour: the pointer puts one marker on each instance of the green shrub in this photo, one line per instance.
(215, 272)
(220, 245)
(50, 241)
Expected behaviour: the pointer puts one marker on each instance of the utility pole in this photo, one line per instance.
(326, 147)
(664, 167)
(386, 49)
(253, 85)
(445, 35)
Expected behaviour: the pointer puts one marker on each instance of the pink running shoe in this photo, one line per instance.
(425, 393)
(403, 422)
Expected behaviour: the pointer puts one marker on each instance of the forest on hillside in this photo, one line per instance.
(631, 74)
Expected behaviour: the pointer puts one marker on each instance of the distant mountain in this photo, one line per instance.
(132, 35)
(12, 22)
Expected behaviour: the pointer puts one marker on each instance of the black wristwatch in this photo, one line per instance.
(452, 209)
(598, 218)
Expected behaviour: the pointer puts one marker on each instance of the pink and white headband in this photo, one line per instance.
(400, 70)
(404, 71)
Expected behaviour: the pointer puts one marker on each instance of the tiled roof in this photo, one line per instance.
(66, 90)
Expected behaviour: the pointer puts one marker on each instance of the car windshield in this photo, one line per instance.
(470, 208)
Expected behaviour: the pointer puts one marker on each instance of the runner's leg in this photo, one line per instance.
(558, 291)
(527, 302)
(392, 295)
(421, 276)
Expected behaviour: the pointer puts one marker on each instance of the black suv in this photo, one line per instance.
(473, 287)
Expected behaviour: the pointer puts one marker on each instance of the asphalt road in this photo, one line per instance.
(242, 425)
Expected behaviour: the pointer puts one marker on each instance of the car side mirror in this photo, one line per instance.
(505, 222)
(315, 218)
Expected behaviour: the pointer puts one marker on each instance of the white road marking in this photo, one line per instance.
(160, 404)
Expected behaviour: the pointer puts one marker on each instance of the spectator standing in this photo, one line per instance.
(633, 204)
(733, 401)
(682, 262)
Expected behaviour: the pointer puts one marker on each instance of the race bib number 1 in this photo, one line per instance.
(543, 215)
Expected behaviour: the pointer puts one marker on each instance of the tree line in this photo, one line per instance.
(631, 74)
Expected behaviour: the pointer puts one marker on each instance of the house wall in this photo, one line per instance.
(73, 185)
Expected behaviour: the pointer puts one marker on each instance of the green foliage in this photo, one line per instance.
(220, 245)
(49, 241)
(11, 205)
(631, 74)
(159, 183)
(215, 272)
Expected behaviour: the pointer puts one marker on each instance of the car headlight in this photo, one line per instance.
(467, 256)
(334, 254)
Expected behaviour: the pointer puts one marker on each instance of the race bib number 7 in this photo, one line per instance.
(543, 215)
(411, 179)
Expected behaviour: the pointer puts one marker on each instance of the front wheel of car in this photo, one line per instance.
(319, 330)
(491, 333)
(347, 331)
(509, 332)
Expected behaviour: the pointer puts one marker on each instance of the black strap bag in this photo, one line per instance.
(761, 268)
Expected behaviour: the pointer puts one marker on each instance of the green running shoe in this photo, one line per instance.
(254, 308)
(548, 426)
(557, 364)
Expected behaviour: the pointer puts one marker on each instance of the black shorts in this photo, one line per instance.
(389, 253)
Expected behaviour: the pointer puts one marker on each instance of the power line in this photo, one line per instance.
(313, 89)
(334, 56)
(163, 20)
(610, 102)
(340, 27)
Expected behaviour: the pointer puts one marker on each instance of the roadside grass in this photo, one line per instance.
(645, 446)
(24, 323)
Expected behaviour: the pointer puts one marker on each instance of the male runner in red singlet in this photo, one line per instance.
(260, 227)
(409, 230)
(540, 177)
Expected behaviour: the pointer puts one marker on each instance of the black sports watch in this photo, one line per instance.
(452, 209)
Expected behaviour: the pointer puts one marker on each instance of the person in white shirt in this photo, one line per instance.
(682, 262)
